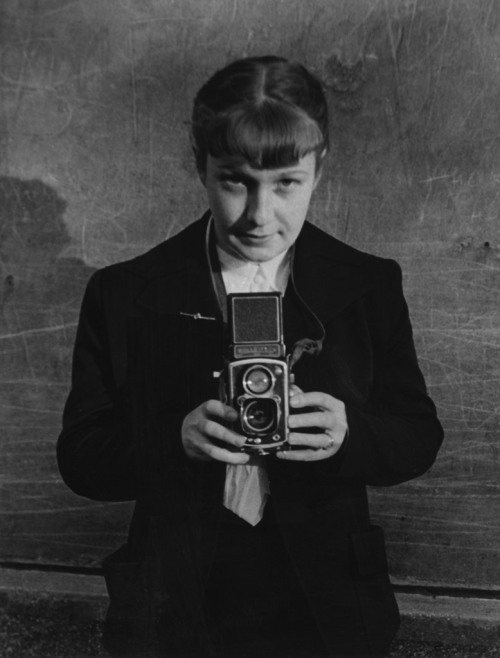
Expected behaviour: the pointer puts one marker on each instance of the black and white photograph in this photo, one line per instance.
(250, 328)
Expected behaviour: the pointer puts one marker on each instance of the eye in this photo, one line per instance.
(232, 182)
(287, 183)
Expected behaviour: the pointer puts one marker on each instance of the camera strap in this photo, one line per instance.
(215, 270)
(311, 346)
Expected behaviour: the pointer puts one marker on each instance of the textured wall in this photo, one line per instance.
(96, 167)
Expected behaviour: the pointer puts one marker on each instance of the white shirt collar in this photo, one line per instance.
(239, 274)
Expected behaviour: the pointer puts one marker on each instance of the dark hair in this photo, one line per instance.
(265, 110)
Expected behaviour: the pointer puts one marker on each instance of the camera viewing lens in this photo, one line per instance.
(258, 380)
(260, 415)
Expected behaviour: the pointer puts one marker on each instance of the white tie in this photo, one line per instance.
(247, 486)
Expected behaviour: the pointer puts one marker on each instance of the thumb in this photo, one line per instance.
(294, 390)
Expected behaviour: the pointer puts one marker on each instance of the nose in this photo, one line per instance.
(260, 206)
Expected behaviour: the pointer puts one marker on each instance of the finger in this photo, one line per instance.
(220, 410)
(214, 430)
(315, 399)
(222, 455)
(304, 455)
(195, 452)
(314, 441)
(203, 448)
(207, 451)
(294, 390)
(321, 419)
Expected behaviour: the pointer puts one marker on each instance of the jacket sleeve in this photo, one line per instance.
(96, 454)
(396, 435)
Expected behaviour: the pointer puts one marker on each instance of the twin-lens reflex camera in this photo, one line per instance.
(256, 377)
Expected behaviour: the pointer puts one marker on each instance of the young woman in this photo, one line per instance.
(229, 554)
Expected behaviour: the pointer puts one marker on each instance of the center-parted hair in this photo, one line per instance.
(265, 110)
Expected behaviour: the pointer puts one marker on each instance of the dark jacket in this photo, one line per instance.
(142, 362)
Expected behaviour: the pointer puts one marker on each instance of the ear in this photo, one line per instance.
(319, 173)
(319, 167)
(317, 178)
(202, 175)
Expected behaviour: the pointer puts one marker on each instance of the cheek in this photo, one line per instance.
(296, 216)
(225, 209)
(293, 231)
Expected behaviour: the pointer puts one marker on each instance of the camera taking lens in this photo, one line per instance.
(259, 415)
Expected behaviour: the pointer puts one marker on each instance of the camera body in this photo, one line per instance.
(256, 377)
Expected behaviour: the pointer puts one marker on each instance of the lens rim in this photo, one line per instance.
(273, 423)
(257, 367)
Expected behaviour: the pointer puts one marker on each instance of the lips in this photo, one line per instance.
(255, 237)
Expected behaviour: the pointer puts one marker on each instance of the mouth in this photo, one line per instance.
(255, 237)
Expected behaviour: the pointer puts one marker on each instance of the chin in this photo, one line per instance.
(257, 254)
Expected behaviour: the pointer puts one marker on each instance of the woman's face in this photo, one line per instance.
(258, 213)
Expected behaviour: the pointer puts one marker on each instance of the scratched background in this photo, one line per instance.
(96, 167)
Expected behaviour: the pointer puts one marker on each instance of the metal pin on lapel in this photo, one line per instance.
(196, 316)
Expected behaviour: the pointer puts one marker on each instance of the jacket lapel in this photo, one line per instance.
(185, 320)
(179, 281)
(180, 318)
(327, 274)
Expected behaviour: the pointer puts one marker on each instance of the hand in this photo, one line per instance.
(202, 425)
(328, 415)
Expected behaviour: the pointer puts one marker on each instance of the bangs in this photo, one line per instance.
(267, 136)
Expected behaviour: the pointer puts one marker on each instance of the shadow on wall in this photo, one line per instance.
(40, 296)
(32, 235)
